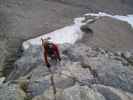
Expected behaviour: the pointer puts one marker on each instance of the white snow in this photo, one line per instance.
(70, 34)
(2, 80)
(128, 18)
(78, 21)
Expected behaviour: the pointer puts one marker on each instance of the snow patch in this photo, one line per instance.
(78, 21)
(128, 18)
(70, 34)
(2, 80)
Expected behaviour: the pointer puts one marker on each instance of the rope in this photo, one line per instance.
(52, 83)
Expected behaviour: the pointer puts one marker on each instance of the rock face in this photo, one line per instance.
(77, 92)
(11, 92)
(82, 93)
(110, 33)
(112, 69)
(22, 19)
(85, 73)
(113, 94)
(9, 51)
(100, 74)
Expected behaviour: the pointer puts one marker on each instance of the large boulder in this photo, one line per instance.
(109, 33)
(111, 68)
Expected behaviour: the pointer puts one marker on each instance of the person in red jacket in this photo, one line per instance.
(50, 50)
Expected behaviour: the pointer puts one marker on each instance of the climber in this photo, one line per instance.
(50, 50)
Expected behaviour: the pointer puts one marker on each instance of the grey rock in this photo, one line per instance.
(75, 92)
(111, 93)
(39, 86)
(81, 64)
(109, 70)
(109, 33)
(22, 19)
(82, 93)
(11, 92)
(30, 60)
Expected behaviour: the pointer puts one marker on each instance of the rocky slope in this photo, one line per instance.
(84, 74)
(111, 34)
(22, 19)
(91, 69)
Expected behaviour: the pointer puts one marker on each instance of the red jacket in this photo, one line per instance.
(54, 49)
